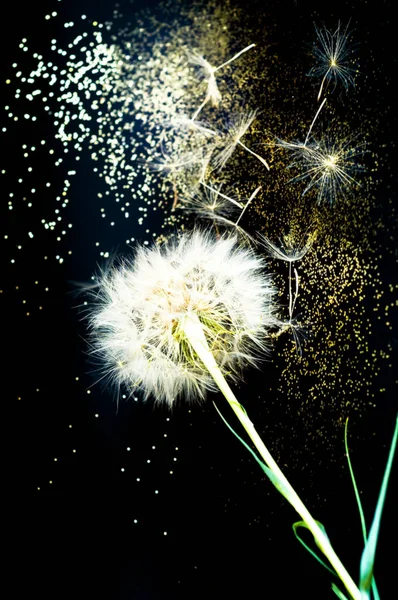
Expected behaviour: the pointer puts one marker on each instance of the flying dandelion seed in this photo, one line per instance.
(333, 53)
(183, 122)
(289, 252)
(211, 202)
(229, 224)
(213, 94)
(185, 172)
(170, 165)
(328, 166)
(216, 193)
(237, 128)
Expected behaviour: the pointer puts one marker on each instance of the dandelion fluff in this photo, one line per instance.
(141, 303)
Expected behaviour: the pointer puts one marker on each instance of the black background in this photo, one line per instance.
(228, 533)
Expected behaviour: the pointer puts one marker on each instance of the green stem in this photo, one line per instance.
(194, 332)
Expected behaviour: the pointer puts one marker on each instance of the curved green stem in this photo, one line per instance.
(195, 335)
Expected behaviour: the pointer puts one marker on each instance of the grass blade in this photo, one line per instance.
(302, 524)
(361, 513)
(270, 474)
(339, 594)
(362, 516)
(368, 555)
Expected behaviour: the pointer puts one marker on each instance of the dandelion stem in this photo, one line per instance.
(313, 121)
(234, 57)
(295, 291)
(254, 194)
(198, 110)
(193, 330)
(323, 81)
(260, 158)
(220, 194)
(290, 292)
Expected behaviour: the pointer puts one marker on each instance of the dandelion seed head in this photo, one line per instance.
(140, 305)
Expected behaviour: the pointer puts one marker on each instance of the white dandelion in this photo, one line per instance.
(146, 308)
(178, 320)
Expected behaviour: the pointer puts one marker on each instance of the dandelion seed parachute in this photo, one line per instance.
(140, 304)
(328, 165)
(333, 54)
